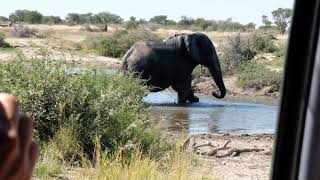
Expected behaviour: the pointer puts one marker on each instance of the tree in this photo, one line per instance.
(86, 18)
(250, 26)
(107, 17)
(32, 17)
(17, 16)
(186, 21)
(73, 18)
(142, 21)
(132, 23)
(265, 20)
(160, 19)
(202, 23)
(282, 17)
(51, 20)
(3, 19)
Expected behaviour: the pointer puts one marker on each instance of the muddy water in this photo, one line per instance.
(211, 115)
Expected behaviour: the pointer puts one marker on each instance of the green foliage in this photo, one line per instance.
(266, 21)
(159, 19)
(106, 17)
(200, 71)
(51, 20)
(254, 75)
(263, 42)
(117, 44)
(186, 21)
(234, 52)
(3, 44)
(202, 23)
(131, 24)
(282, 17)
(240, 49)
(100, 18)
(73, 18)
(27, 16)
(3, 19)
(109, 107)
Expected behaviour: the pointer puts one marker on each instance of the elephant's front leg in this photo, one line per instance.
(186, 95)
(192, 97)
(185, 92)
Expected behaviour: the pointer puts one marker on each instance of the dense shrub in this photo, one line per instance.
(22, 31)
(254, 75)
(51, 20)
(263, 42)
(131, 25)
(106, 107)
(3, 19)
(3, 44)
(239, 49)
(234, 52)
(201, 71)
(117, 44)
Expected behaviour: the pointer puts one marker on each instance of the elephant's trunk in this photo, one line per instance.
(216, 73)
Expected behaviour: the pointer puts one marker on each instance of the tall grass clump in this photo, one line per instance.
(104, 107)
(174, 165)
(257, 76)
(118, 43)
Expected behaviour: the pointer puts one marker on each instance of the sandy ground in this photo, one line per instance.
(32, 47)
(245, 157)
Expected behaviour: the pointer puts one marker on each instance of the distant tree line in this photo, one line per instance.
(281, 20)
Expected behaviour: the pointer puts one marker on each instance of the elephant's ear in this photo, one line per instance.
(192, 47)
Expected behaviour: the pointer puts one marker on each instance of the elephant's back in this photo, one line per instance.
(137, 56)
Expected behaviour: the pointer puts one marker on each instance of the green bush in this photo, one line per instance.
(263, 43)
(201, 71)
(236, 51)
(239, 49)
(107, 107)
(117, 44)
(254, 75)
(3, 44)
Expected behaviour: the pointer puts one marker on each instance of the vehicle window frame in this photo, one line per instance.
(296, 87)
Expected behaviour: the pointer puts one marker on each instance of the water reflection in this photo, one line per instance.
(211, 116)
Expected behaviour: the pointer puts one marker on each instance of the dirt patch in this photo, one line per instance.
(35, 48)
(237, 156)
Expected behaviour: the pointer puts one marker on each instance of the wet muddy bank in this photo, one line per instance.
(206, 85)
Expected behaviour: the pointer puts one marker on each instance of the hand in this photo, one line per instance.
(18, 153)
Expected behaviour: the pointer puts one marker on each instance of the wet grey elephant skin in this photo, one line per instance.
(171, 63)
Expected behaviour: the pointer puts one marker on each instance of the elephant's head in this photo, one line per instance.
(201, 51)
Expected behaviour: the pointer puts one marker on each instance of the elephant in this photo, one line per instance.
(171, 62)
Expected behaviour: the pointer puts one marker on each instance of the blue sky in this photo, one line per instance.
(243, 11)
